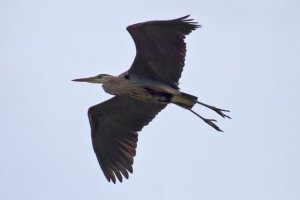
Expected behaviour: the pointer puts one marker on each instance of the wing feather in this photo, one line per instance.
(160, 48)
(114, 126)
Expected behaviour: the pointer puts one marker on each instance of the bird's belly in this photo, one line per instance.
(148, 94)
(152, 92)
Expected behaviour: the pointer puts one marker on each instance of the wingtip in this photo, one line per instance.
(191, 22)
(186, 16)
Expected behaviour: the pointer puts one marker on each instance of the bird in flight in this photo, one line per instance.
(140, 93)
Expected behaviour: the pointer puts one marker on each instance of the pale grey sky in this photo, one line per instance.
(245, 58)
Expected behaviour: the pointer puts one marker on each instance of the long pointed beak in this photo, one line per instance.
(89, 80)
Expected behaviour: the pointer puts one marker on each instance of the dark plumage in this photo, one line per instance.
(160, 48)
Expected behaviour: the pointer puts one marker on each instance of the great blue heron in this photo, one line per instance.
(141, 93)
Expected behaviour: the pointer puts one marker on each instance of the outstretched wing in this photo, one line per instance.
(114, 124)
(160, 48)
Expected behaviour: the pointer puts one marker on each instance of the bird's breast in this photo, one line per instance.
(119, 86)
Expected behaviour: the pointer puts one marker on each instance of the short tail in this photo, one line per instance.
(184, 100)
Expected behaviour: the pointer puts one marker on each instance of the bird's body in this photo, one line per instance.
(129, 85)
(141, 93)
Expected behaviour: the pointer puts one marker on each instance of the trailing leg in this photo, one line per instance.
(208, 121)
(217, 110)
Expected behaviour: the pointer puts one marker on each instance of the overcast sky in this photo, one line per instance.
(245, 58)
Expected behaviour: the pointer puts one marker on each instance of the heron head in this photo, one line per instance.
(101, 78)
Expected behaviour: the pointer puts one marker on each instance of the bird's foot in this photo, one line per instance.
(217, 110)
(220, 112)
(208, 121)
(212, 124)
